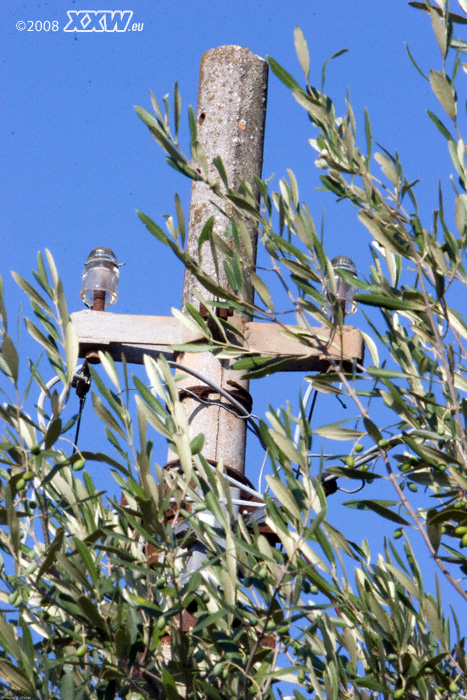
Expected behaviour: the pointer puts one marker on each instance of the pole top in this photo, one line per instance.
(231, 51)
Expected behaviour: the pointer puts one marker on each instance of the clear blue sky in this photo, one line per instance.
(77, 162)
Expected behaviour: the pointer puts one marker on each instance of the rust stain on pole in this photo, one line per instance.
(231, 117)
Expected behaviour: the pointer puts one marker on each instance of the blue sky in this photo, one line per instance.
(77, 161)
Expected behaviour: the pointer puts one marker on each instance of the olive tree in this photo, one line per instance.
(99, 595)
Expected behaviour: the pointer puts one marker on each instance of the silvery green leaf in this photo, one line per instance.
(445, 93)
(440, 32)
(71, 350)
(282, 74)
(284, 495)
(388, 168)
(10, 357)
(177, 108)
(379, 507)
(262, 290)
(302, 51)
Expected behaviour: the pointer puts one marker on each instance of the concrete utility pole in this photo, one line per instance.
(230, 116)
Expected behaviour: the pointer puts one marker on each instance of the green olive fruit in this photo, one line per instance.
(358, 448)
(27, 476)
(383, 443)
(78, 465)
(413, 487)
(35, 450)
(464, 541)
(20, 484)
(460, 530)
(397, 534)
(81, 650)
(13, 597)
(31, 567)
(349, 461)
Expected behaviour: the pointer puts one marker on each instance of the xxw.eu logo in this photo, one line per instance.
(98, 21)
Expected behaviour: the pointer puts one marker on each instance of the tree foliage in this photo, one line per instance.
(99, 598)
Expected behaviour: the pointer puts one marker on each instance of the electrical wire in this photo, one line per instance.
(218, 389)
(339, 488)
(244, 487)
(261, 472)
(235, 502)
(78, 424)
(42, 396)
(81, 382)
(219, 404)
(312, 407)
(304, 403)
(213, 385)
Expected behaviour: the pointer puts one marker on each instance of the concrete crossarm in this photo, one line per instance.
(136, 335)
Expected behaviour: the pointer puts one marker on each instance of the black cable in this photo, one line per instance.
(82, 401)
(312, 407)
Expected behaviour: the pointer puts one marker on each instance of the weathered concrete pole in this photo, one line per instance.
(231, 117)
